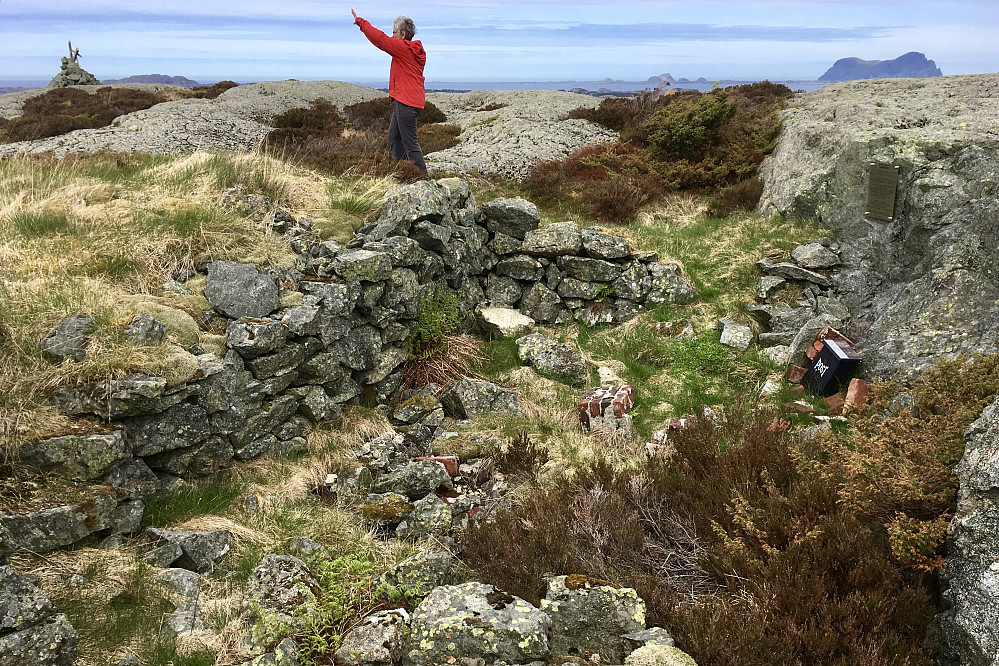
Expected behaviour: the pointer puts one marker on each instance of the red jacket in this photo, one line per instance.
(408, 59)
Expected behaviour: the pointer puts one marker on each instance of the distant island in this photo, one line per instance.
(157, 78)
(912, 65)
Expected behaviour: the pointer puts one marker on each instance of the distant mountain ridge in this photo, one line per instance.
(912, 65)
(157, 78)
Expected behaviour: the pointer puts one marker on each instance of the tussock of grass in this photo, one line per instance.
(85, 234)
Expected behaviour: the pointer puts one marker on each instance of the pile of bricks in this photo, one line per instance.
(606, 408)
(838, 403)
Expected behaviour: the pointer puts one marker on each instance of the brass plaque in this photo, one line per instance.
(881, 191)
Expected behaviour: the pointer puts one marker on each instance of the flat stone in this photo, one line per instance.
(600, 244)
(553, 240)
(814, 255)
(501, 323)
(75, 457)
(513, 217)
(735, 335)
(69, 340)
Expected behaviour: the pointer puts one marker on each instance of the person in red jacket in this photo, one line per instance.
(405, 84)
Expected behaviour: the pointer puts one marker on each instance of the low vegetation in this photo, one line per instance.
(755, 536)
(63, 110)
(355, 141)
(681, 140)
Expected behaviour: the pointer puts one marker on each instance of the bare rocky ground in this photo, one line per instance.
(503, 132)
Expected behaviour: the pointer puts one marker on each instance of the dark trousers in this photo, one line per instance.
(402, 135)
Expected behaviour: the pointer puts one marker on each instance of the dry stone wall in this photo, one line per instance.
(344, 341)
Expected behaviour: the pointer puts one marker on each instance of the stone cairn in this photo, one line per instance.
(71, 73)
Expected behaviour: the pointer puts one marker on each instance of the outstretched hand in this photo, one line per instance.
(354, 13)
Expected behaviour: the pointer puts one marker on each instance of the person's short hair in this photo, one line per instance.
(407, 26)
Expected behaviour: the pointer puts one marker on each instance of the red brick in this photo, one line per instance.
(796, 391)
(830, 333)
(818, 345)
(836, 402)
(795, 373)
(799, 408)
(856, 394)
(450, 463)
(778, 425)
(811, 353)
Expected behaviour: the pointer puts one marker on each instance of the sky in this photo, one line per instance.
(492, 40)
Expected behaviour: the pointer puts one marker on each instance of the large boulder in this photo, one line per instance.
(468, 397)
(590, 616)
(240, 290)
(554, 359)
(967, 632)
(925, 283)
(30, 632)
(281, 594)
(476, 621)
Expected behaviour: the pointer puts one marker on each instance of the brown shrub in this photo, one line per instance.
(618, 200)
(438, 136)
(377, 113)
(66, 109)
(212, 91)
(736, 543)
(740, 196)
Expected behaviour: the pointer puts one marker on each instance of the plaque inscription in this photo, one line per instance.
(881, 189)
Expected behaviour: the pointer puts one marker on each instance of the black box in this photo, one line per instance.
(834, 366)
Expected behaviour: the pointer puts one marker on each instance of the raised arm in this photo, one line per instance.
(394, 47)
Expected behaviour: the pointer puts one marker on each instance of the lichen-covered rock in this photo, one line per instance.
(280, 595)
(590, 270)
(476, 621)
(468, 397)
(430, 515)
(180, 426)
(46, 529)
(966, 633)
(181, 581)
(145, 329)
(659, 655)
(255, 337)
(138, 394)
(735, 335)
(814, 255)
(591, 617)
(378, 641)
(570, 287)
(541, 304)
(240, 290)
(75, 457)
(69, 340)
(201, 550)
(554, 359)
(185, 619)
(768, 285)
(503, 322)
(553, 240)
(405, 205)
(304, 548)
(363, 265)
(520, 267)
(668, 287)
(502, 244)
(416, 408)
(513, 217)
(416, 576)
(502, 291)
(22, 604)
(385, 509)
(201, 460)
(285, 654)
(415, 480)
(52, 642)
(791, 271)
(650, 636)
(634, 282)
(360, 349)
(600, 244)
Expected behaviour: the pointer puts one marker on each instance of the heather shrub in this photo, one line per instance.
(66, 109)
(212, 91)
(897, 470)
(685, 128)
(739, 196)
(737, 543)
(618, 200)
(437, 136)
(377, 113)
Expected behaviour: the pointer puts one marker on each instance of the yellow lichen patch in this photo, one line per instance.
(580, 582)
